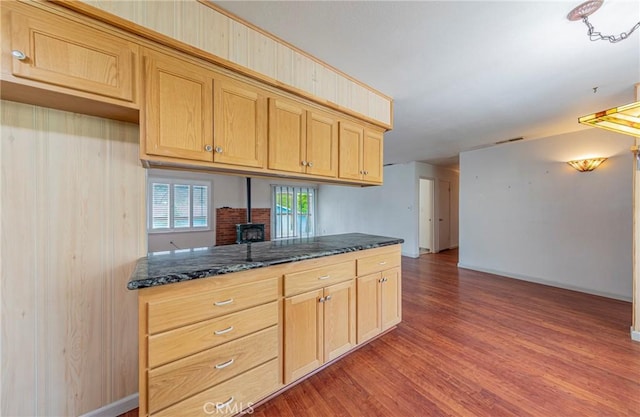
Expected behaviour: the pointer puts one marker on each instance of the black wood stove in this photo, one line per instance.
(249, 232)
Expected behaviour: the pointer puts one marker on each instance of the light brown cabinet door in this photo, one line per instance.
(177, 116)
(339, 319)
(287, 136)
(303, 334)
(372, 156)
(322, 144)
(369, 304)
(350, 151)
(240, 123)
(57, 51)
(391, 298)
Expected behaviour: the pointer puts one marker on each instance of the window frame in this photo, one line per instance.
(313, 210)
(172, 182)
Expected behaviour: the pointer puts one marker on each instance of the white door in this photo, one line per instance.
(426, 216)
(444, 219)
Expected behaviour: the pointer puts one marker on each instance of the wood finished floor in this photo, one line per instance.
(475, 344)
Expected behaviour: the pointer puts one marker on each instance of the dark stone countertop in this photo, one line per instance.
(159, 268)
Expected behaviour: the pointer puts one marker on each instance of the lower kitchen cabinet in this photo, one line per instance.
(220, 345)
(379, 303)
(319, 326)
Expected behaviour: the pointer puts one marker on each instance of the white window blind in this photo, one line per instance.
(294, 211)
(178, 205)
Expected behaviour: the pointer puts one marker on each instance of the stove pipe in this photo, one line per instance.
(248, 199)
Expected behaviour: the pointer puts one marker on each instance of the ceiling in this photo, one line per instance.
(466, 74)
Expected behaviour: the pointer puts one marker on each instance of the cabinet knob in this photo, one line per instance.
(322, 299)
(366, 173)
(310, 164)
(362, 172)
(304, 163)
(218, 149)
(208, 148)
(327, 298)
(19, 55)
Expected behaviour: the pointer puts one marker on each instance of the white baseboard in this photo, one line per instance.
(635, 335)
(116, 408)
(546, 282)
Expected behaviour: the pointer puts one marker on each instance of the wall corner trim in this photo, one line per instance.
(116, 408)
(635, 335)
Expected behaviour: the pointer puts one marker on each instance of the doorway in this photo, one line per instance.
(426, 223)
(444, 218)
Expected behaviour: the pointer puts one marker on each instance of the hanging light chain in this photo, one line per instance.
(597, 36)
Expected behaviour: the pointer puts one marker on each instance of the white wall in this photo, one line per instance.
(526, 214)
(226, 191)
(388, 210)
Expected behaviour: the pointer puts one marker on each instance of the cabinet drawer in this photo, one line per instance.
(169, 314)
(178, 343)
(232, 396)
(60, 52)
(182, 378)
(378, 263)
(300, 282)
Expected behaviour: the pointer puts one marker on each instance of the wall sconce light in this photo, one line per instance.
(585, 165)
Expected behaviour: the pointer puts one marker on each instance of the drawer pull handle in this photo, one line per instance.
(223, 331)
(224, 364)
(223, 303)
(382, 263)
(220, 406)
(325, 277)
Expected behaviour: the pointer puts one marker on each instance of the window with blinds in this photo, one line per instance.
(178, 205)
(294, 212)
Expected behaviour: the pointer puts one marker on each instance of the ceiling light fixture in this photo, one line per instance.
(586, 165)
(623, 119)
(586, 9)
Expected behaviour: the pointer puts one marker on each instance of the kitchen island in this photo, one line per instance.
(222, 328)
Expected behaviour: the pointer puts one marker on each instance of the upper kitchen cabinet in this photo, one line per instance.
(53, 61)
(240, 123)
(193, 113)
(302, 140)
(350, 164)
(177, 115)
(372, 152)
(322, 144)
(360, 155)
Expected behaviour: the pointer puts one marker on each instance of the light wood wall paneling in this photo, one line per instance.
(239, 44)
(262, 54)
(284, 64)
(189, 11)
(216, 28)
(304, 75)
(72, 213)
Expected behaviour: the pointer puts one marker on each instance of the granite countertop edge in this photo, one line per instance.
(140, 277)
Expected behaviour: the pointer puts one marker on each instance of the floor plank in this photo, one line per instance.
(475, 344)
